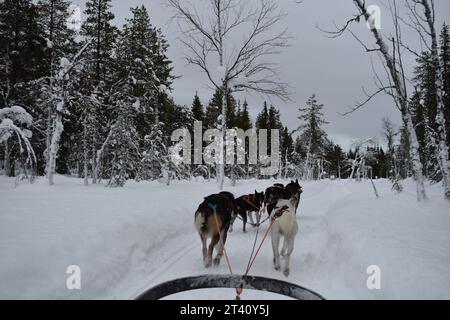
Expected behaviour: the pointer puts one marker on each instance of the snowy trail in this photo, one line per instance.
(239, 247)
(128, 240)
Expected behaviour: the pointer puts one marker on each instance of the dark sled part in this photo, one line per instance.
(229, 281)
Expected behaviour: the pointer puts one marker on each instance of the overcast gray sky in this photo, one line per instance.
(334, 69)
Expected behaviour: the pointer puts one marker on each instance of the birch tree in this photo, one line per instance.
(228, 63)
(53, 17)
(396, 87)
(62, 97)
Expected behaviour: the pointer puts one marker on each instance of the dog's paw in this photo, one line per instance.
(207, 264)
(277, 266)
(216, 261)
(286, 272)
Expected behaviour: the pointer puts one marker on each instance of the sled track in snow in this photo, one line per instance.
(169, 262)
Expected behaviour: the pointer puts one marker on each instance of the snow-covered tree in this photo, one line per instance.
(313, 135)
(445, 60)
(123, 141)
(156, 157)
(98, 72)
(138, 56)
(21, 48)
(14, 124)
(428, 25)
(62, 93)
(53, 17)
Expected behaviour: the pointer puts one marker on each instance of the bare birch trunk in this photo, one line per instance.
(54, 146)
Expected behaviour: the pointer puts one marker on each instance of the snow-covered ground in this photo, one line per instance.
(127, 240)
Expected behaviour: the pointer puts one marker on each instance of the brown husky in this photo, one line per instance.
(212, 220)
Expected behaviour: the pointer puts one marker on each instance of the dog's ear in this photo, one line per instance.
(296, 181)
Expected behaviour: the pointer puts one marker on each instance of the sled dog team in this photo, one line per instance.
(215, 216)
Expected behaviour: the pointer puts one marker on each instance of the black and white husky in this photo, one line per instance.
(285, 226)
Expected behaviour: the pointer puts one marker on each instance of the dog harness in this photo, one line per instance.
(213, 207)
(250, 199)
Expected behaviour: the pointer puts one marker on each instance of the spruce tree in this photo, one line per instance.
(136, 66)
(245, 122)
(22, 60)
(98, 73)
(22, 50)
(313, 137)
(124, 149)
(197, 109)
(262, 120)
(53, 17)
(98, 29)
(311, 129)
(213, 111)
(445, 60)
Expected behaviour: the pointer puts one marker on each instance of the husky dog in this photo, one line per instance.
(272, 195)
(279, 191)
(248, 204)
(293, 190)
(212, 220)
(285, 226)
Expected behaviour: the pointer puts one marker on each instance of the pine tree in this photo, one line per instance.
(156, 157)
(312, 133)
(445, 60)
(269, 119)
(213, 112)
(245, 122)
(274, 121)
(124, 149)
(197, 109)
(53, 17)
(335, 159)
(262, 120)
(136, 65)
(22, 48)
(98, 73)
(231, 112)
(22, 60)
(99, 30)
